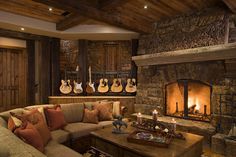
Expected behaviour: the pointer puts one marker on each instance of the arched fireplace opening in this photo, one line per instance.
(189, 99)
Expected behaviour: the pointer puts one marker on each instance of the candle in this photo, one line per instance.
(139, 118)
(174, 124)
(154, 115)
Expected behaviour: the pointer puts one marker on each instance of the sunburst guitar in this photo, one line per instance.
(65, 87)
(131, 85)
(90, 86)
(103, 86)
(117, 86)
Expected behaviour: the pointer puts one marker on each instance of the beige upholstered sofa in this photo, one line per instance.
(12, 146)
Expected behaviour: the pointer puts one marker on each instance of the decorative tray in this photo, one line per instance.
(150, 138)
(157, 127)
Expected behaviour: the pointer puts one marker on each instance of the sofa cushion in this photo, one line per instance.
(104, 124)
(90, 116)
(55, 117)
(116, 108)
(54, 149)
(4, 150)
(5, 115)
(73, 112)
(21, 149)
(80, 129)
(28, 133)
(104, 110)
(60, 136)
(89, 105)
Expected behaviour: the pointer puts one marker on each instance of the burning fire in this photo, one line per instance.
(193, 101)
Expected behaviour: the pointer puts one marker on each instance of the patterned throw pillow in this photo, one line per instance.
(55, 117)
(34, 117)
(90, 116)
(104, 110)
(13, 123)
(29, 134)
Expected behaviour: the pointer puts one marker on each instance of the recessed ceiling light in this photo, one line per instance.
(50, 9)
(145, 6)
(22, 28)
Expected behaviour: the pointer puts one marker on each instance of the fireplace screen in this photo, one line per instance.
(188, 99)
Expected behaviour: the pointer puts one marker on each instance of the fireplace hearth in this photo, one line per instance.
(189, 99)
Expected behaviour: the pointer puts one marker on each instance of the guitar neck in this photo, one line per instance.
(90, 80)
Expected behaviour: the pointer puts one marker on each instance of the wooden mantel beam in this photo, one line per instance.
(76, 18)
(78, 8)
(218, 52)
(231, 5)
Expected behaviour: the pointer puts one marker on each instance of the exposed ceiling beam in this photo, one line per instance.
(231, 5)
(78, 8)
(75, 19)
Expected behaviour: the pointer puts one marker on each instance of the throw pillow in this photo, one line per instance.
(29, 134)
(116, 108)
(13, 123)
(40, 109)
(90, 116)
(55, 117)
(104, 110)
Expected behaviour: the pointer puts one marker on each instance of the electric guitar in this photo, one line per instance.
(90, 86)
(77, 86)
(131, 85)
(117, 85)
(65, 87)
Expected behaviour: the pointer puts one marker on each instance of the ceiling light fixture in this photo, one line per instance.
(50, 9)
(145, 6)
(22, 28)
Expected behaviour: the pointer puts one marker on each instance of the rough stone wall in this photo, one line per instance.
(189, 31)
(204, 28)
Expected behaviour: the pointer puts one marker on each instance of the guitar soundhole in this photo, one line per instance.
(104, 83)
(118, 83)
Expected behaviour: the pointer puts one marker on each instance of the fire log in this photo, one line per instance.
(191, 109)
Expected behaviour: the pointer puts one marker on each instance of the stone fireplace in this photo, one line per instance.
(188, 99)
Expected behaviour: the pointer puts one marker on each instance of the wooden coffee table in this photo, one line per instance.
(118, 146)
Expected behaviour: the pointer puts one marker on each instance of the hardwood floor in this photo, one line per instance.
(208, 153)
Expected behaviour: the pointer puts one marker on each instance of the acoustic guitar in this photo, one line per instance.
(90, 86)
(131, 85)
(117, 85)
(103, 82)
(77, 86)
(65, 87)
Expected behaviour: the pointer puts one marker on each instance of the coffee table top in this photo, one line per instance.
(176, 148)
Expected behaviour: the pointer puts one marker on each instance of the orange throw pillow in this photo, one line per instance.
(90, 116)
(55, 117)
(104, 110)
(29, 134)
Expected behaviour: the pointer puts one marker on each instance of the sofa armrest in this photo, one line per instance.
(3, 123)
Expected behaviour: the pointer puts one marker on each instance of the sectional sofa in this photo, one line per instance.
(12, 146)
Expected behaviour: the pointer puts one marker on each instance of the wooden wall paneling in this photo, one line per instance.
(45, 74)
(31, 72)
(83, 62)
(4, 78)
(1, 80)
(17, 76)
(55, 66)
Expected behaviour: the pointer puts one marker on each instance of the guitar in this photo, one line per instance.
(103, 82)
(77, 86)
(65, 87)
(90, 86)
(131, 85)
(117, 85)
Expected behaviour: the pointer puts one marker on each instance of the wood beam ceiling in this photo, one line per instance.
(96, 14)
(231, 4)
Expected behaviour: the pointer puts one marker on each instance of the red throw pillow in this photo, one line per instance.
(104, 110)
(29, 134)
(90, 116)
(55, 117)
